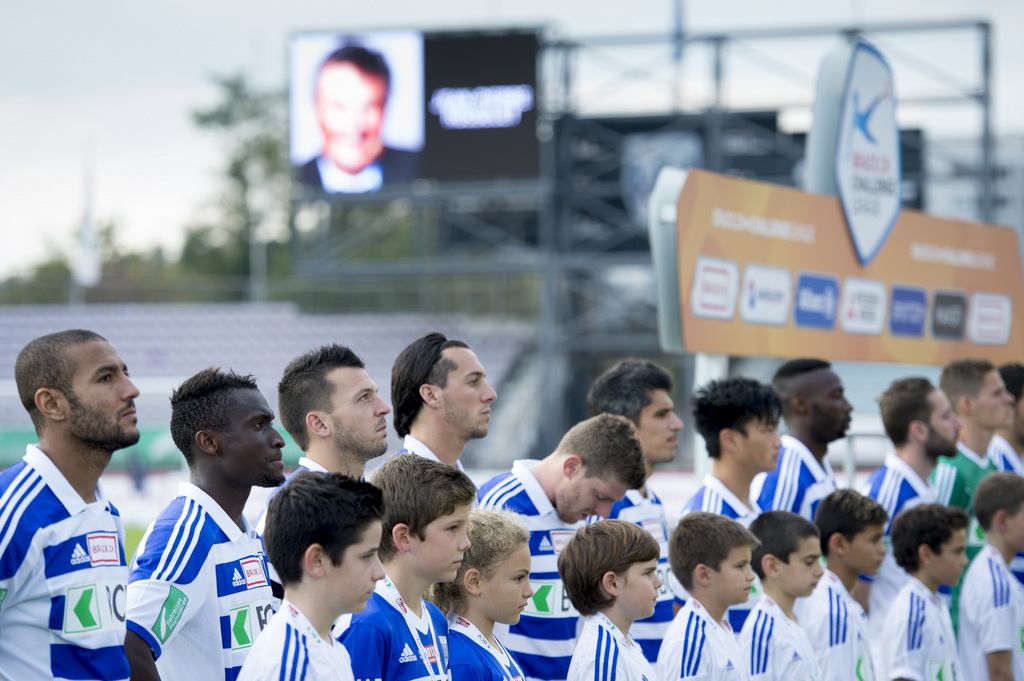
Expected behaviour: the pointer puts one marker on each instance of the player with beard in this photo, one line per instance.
(62, 564)
(816, 412)
(591, 469)
(919, 420)
(441, 398)
(198, 594)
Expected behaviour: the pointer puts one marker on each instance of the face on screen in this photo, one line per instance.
(350, 111)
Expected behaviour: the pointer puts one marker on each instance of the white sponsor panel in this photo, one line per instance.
(989, 318)
(715, 284)
(868, 162)
(766, 295)
(864, 302)
(103, 548)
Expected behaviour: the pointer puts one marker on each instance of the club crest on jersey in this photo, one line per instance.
(431, 653)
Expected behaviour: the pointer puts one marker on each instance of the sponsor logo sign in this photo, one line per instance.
(908, 312)
(82, 609)
(868, 152)
(103, 548)
(254, 575)
(817, 300)
(656, 528)
(990, 318)
(559, 538)
(715, 284)
(170, 614)
(949, 315)
(549, 599)
(766, 295)
(863, 308)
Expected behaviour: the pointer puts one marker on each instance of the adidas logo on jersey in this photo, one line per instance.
(796, 656)
(237, 579)
(545, 545)
(728, 666)
(407, 655)
(79, 556)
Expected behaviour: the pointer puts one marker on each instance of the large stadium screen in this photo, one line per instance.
(386, 108)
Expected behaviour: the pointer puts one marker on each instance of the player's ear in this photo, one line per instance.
(702, 574)
(925, 555)
(611, 583)
(471, 581)
(52, 403)
(430, 394)
(206, 442)
(571, 465)
(837, 543)
(799, 404)
(402, 536)
(770, 565)
(918, 431)
(727, 439)
(313, 560)
(317, 425)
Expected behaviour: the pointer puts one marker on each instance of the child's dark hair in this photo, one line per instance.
(597, 549)
(418, 491)
(847, 512)
(732, 403)
(704, 539)
(780, 533)
(329, 509)
(929, 524)
(998, 492)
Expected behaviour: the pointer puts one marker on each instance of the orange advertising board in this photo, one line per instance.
(766, 270)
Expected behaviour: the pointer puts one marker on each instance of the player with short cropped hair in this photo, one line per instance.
(816, 412)
(1007, 445)
(199, 593)
(62, 564)
(592, 467)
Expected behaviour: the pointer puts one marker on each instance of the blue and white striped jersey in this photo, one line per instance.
(798, 482)
(991, 614)
(261, 522)
(605, 653)
(838, 629)
(198, 592)
(545, 637)
(1008, 461)
(776, 647)
(918, 641)
(715, 497)
(62, 578)
(896, 487)
(381, 644)
(290, 649)
(697, 647)
(648, 513)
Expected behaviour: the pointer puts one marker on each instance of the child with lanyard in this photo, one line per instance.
(491, 587)
(610, 572)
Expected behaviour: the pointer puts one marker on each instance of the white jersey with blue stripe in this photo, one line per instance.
(305, 464)
(606, 653)
(715, 497)
(896, 487)
(1008, 461)
(545, 637)
(697, 647)
(290, 649)
(991, 614)
(798, 482)
(648, 513)
(62, 578)
(918, 641)
(776, 647)
(838, 629)
(198, 592)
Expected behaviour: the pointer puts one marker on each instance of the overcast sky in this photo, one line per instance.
(122, 77)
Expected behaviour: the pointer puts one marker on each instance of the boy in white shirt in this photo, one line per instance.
(610, 572)
(930, 543)
(788, 561)
(851, 527)
(710, 554)
(991, 599)
(322, 533)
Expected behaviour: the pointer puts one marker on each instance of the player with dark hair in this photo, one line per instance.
(1007, 445)
(199, 593)
(816, 412)
(441, 398)
(62, 562)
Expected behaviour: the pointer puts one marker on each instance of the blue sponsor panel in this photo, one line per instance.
(908, 312)
(816, 301)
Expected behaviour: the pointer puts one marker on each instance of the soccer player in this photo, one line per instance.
(610, 572)
(198, 593)
(711, 556)
(851, 528)
(738, 419)
(592, 467)
(323, 531)
(930, 543)
(788, 562)
(399, 636)
(62, 564)
(639, 390)
(441, 398)
(1007, 444)
(983, 405)
(992, 604)
(919, 420)
(816, 412)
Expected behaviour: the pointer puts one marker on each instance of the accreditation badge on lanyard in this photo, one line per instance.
(505, 660)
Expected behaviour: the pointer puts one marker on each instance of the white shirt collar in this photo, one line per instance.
(311, 465)
(213, 509)
(910, 475)
(521, 469)
(971, 455)
(721, 490)
(821, 470)
(419, 449)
